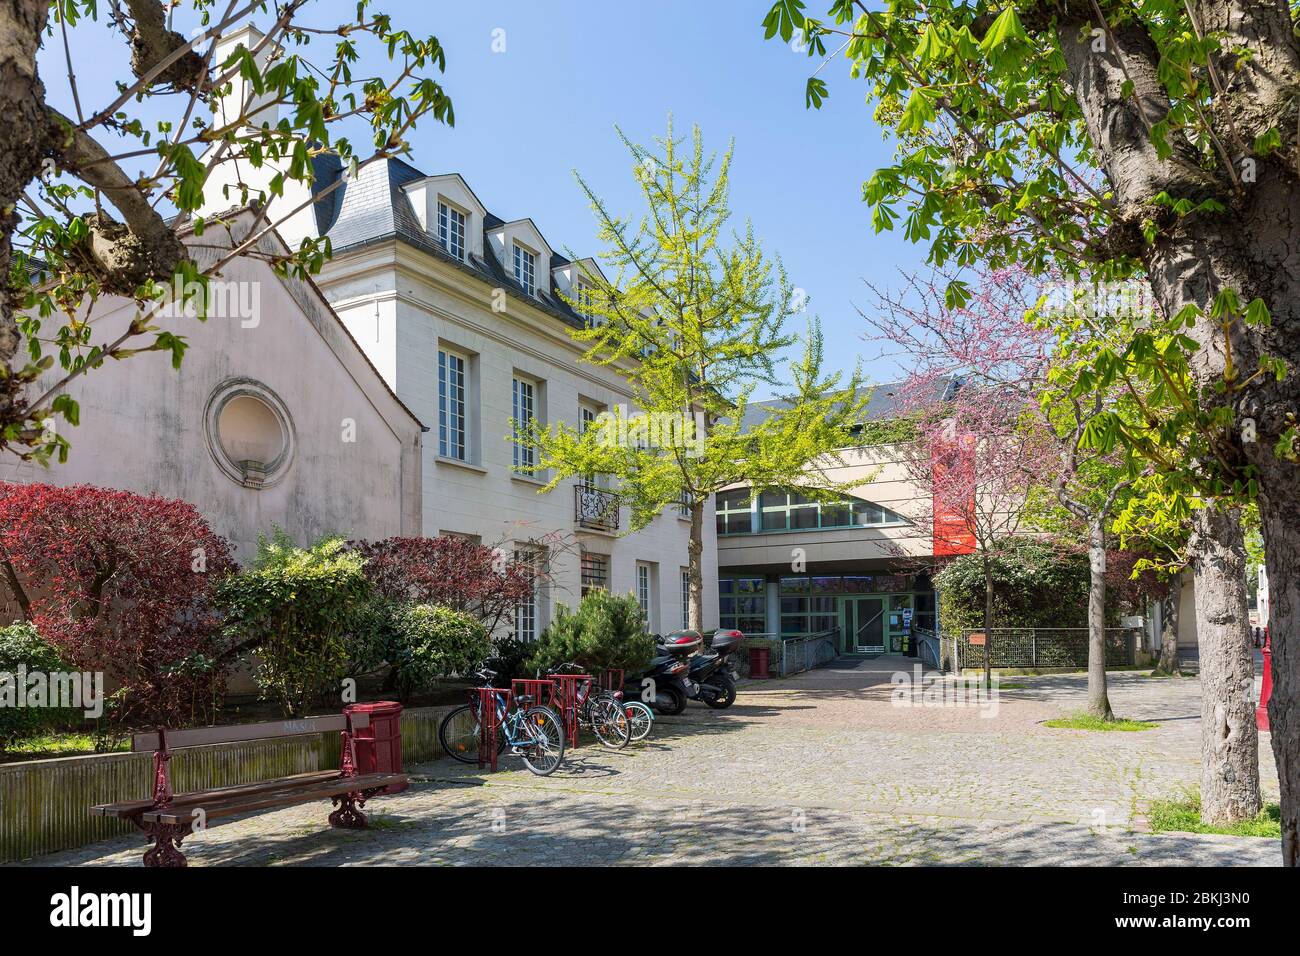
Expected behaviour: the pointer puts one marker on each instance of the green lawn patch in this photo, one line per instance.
(1184, 816)
(68, 744)
(1089, 722)
(1011, 686)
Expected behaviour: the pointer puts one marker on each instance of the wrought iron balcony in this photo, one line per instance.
(595, 508)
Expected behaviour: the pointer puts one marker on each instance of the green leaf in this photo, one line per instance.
(917, 113)
(814, 93)
(1005, 28)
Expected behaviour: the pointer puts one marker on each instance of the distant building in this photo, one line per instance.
(788, 565)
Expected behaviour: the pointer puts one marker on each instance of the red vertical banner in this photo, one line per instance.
(952, 465)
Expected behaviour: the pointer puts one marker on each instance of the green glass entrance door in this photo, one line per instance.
(862, 625)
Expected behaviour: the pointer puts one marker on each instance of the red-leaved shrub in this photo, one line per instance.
(454, 572)
(120, 583)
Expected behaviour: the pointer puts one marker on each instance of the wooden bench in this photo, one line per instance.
(168, 818)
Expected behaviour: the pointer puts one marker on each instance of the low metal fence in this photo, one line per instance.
(1034, 647)
(806, 651)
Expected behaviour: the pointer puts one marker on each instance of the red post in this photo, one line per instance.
(489, 725)
(1266, 686)
(570, 696)
(379, 746)
(758, 657)
(542, 692)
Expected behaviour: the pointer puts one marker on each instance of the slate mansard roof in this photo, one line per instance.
(375, 208)
(882, 405)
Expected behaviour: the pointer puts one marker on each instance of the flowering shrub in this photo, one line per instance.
(120, 583)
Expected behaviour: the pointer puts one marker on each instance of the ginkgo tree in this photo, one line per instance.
(94, 196)
(696, 317)
(1155, 141)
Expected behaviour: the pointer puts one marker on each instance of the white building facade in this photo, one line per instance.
(461, 313)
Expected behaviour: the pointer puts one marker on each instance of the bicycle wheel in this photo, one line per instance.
(640, 718)
(609, 723)
(544, 749)
(459, 734)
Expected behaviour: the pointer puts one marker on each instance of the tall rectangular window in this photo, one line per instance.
(526, 610)
(595, 572)
(686, 598)
(451, 405)
(742, 604)
(587, 416)
(643, 592)
(451, 230)
(522, 398)
(525, 269)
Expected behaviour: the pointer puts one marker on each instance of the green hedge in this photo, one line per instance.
(1035, 585)
(21, 646)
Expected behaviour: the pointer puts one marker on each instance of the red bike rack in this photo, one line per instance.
(542, 692)
(488, 724)
(567, 696)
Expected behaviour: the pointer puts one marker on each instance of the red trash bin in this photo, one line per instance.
(758, 662)
(379, 746)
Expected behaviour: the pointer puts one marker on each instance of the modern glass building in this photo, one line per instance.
(859, 567)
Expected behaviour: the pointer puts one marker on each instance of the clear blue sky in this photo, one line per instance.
(572, 69)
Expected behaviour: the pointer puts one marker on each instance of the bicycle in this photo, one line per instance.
(534, 734)
(640, 719)
(601, 712)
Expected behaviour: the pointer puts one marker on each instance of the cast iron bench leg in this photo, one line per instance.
(167, 839)
(348, 816)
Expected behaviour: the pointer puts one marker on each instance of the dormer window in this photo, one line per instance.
(451, 230)
(525, 269)
(582, 296)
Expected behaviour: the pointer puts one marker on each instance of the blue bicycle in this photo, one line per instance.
(534, 734)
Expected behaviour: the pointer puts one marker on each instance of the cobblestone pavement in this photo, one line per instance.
(822, 768)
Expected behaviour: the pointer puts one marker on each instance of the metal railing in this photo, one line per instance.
(595, 507)
(806, 651)
(1035, 647)
(928, 647)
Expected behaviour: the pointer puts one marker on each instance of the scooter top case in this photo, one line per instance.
(680, 643)
(726, 641)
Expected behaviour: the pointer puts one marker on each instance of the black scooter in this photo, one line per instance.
(713, 679)
(664, 685)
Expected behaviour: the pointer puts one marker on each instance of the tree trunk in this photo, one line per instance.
(22, 104)
(1279, 510)
(988, 621)
(1229, 741)
(1167, 665)
(1098, 699)
(695, 566)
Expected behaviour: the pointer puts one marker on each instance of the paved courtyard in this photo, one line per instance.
(822, 768)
